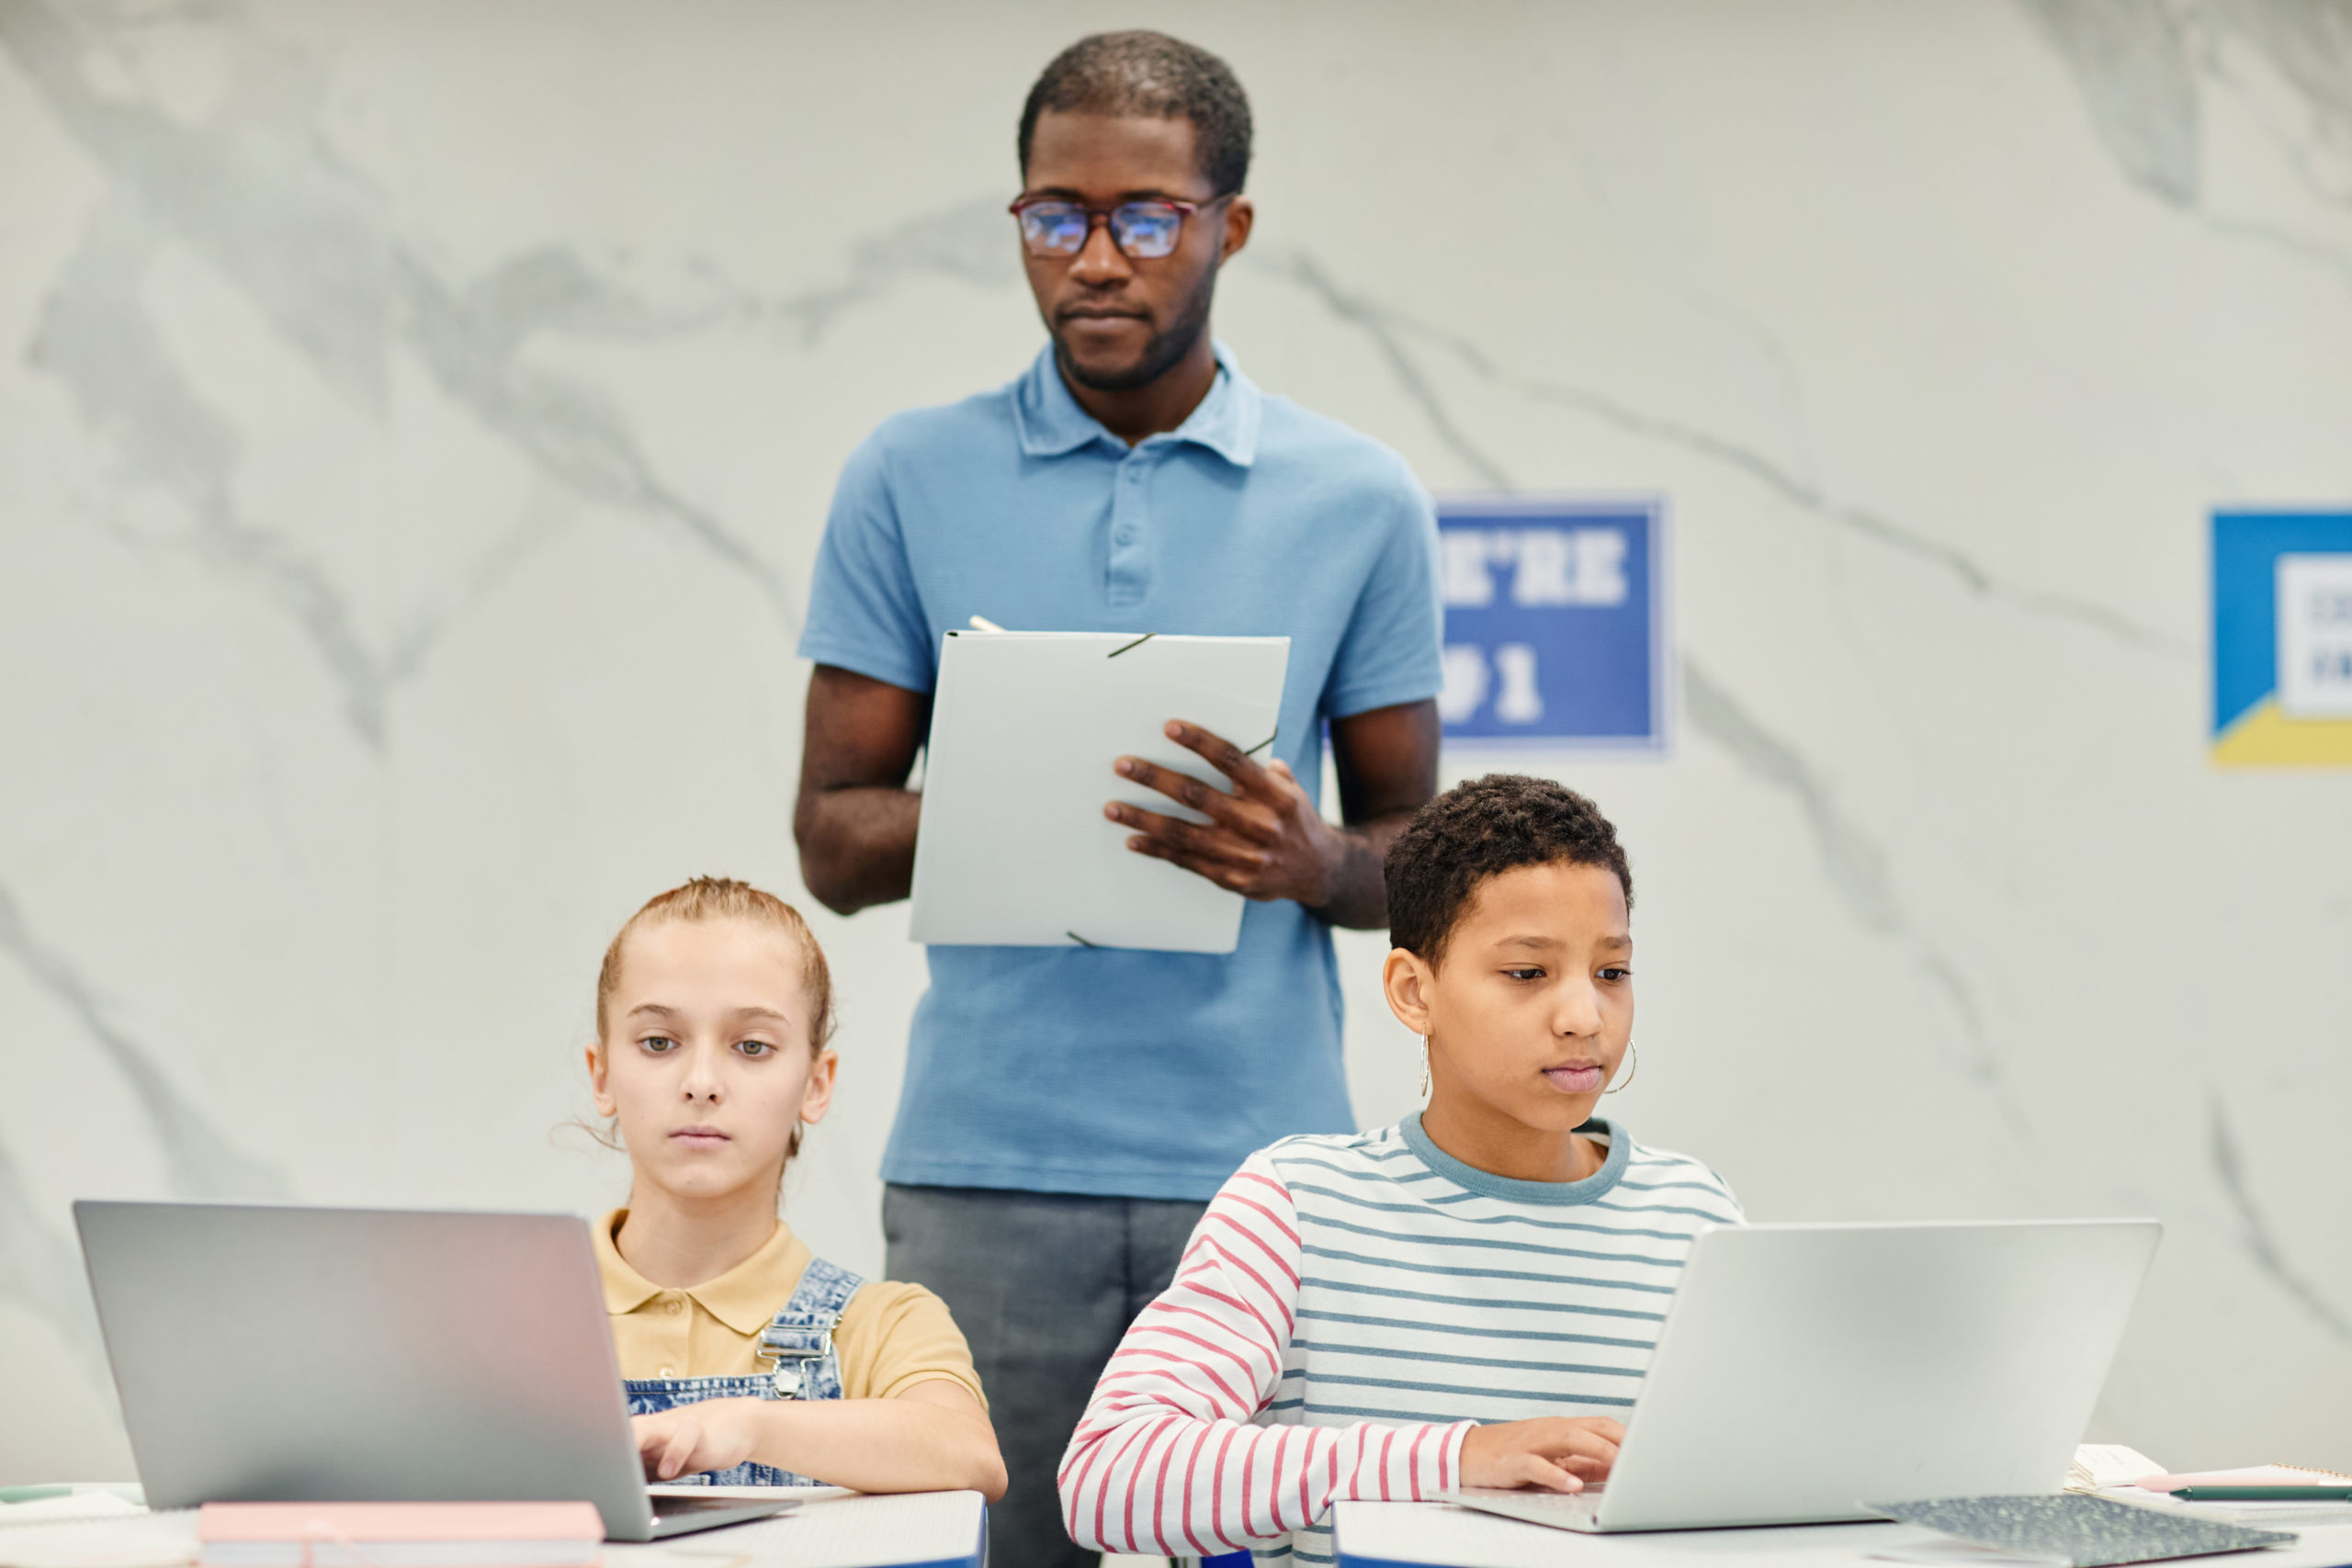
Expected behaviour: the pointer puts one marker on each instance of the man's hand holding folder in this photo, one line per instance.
(1263, 840)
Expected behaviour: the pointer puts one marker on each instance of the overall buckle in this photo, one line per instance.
(799, 1350)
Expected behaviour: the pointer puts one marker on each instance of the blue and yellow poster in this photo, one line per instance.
(1555, 623)
(2282, 638)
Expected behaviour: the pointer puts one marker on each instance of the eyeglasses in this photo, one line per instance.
(1144, 230)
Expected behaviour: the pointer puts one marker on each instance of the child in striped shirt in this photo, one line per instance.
(1468, 1298)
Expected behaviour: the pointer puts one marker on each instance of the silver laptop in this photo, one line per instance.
(364, 1355)
(1805, 1369)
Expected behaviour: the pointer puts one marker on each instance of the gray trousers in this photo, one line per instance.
(1042, 1285)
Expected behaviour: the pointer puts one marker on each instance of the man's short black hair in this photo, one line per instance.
(1479, 830)
(1152, 76)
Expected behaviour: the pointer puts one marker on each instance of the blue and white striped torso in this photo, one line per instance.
(1431, 1291)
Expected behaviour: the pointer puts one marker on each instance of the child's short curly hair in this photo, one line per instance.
(1479, 830)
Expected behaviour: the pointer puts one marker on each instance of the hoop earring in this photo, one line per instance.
(1632, 1056)
(1425, 1068)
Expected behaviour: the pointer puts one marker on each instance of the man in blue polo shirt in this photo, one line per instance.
(1068, 1113)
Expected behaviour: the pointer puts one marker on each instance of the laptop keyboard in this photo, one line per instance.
(670, 1507)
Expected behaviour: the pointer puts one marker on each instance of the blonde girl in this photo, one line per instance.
(749, 1361)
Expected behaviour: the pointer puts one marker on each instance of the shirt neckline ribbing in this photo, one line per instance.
(1487, 1184)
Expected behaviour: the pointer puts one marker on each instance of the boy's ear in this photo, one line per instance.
(817, 1098)
(600, 1081)
(1405, 979)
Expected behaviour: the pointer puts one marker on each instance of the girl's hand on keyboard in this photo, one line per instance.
(1557, 1452)
(717, 1434)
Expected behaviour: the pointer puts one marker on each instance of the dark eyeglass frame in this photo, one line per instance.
(1107, 218)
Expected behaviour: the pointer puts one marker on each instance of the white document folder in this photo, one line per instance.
(1013, 850)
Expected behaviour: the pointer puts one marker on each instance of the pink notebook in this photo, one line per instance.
(399, 1535)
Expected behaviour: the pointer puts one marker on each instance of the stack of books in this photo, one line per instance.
(2256, 1494)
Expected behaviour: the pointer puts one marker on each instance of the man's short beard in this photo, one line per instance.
(1161, 354)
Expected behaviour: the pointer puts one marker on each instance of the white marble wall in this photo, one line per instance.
(415, 422)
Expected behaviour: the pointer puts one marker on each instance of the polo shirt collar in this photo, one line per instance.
(745, 1298)
(1052, 424)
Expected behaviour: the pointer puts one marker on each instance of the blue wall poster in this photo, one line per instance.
(1555, 623)
(2282, 638)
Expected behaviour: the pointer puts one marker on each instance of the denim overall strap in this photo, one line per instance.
(800, 1341)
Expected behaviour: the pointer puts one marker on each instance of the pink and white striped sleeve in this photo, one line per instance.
(1166, 1461)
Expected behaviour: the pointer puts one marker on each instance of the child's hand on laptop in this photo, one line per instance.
(1558, 1452)
(716, 1434)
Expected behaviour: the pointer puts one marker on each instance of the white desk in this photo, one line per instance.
(1437, 1534)
(916, 1530)
(929, 1530)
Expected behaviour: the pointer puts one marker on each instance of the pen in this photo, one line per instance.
(2265, 1493)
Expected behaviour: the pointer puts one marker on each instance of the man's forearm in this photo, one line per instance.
(858, 845)
(1359, 896)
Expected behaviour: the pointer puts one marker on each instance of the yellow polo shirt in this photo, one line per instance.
(892, 1335)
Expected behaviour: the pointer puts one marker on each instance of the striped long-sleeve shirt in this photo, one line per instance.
(1346, 1310)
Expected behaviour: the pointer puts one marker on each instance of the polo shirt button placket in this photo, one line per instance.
(1126, 584)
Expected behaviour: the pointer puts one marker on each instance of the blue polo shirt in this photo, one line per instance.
(1147, 1075)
